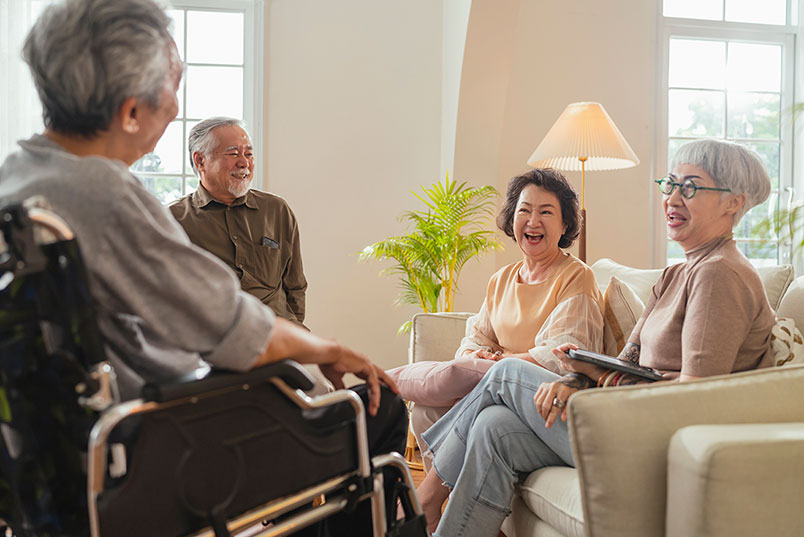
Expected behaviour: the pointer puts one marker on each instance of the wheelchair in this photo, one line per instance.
(212, 455)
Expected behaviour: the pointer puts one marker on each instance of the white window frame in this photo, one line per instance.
(784, 35)
(253, 59)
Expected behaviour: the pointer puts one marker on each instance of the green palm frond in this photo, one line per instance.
(451, 230)
(785, 226)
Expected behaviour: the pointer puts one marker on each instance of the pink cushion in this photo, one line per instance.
(439, 383)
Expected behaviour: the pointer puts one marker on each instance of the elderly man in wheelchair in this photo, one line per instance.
(111, 422)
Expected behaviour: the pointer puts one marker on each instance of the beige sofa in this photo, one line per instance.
(720, 456)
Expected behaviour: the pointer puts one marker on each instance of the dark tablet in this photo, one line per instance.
(610, 362)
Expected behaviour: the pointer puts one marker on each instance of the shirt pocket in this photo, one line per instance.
(263, 263)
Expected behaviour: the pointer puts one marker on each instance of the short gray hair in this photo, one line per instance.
(201, 138)
(731, 166)
(88, 56)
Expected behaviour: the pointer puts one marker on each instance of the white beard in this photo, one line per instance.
(239, 187)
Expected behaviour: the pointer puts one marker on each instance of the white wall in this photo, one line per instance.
(353, 124)
(361, 99)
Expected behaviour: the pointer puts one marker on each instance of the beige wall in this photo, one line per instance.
(361, 99)
(352, 125)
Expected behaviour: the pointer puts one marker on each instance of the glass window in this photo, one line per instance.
(213, 85)
(726, 82)
(694, 9)
(764, 12)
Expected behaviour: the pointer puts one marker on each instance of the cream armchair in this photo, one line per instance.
(722, 456)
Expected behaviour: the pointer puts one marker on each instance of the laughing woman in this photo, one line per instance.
(546, 299)
(706, 316)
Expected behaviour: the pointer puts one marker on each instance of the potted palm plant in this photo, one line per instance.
(448, 233)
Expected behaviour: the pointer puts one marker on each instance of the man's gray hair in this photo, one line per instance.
(731, 166)
(88, 56)
(202, 139)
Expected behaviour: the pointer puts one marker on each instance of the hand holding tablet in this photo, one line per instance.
(610, 362)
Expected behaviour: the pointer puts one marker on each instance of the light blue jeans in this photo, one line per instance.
(488, 441)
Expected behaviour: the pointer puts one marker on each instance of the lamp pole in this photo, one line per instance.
(582, 241)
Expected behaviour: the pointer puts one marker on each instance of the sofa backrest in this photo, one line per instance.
(776, 279)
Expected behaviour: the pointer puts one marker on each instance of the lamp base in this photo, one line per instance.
(582, 240)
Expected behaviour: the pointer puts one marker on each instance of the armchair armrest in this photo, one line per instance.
(621, 438)
(291, 372)
(736, 480)
(436, 336)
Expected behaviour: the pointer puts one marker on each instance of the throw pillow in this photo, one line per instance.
(439, 383)
(787, 342)
(621, 309)
(776, 279)
(639, 280)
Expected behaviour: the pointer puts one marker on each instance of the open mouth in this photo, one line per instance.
(533, 237)
(674, 219)
(241, 175)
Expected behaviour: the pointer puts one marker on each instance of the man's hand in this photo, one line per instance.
(335, 360)
(348, 361)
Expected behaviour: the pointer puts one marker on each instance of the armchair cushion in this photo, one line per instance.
(717, 474)
(552, 494)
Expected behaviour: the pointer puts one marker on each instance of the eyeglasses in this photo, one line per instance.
(688, 187)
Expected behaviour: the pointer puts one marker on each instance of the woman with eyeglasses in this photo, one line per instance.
(706, 316)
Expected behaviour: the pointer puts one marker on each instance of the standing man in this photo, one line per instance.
(253, 232)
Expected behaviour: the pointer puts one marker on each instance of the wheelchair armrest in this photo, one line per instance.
(291, 372)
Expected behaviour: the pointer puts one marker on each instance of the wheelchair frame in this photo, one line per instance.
(248, 522)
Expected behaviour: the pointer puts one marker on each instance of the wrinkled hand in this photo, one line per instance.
(544, 397)
(576, 366)
(342, 360)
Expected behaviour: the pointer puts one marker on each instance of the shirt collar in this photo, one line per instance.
(202, 198)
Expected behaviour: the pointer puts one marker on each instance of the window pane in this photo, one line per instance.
(190, 184)
(216, 91)
(764, 12)
(694, 9)
(207, 43)
(672, 147)
(769, 153)
(167, 189)
(755, 67)
(696, 113)
(697, 64)
(754, 115)
(177, 30)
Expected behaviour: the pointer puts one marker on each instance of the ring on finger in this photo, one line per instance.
(558, 403)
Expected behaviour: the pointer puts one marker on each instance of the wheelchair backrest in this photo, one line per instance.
(48, 344)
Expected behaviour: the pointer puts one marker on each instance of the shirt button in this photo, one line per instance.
(234, 237)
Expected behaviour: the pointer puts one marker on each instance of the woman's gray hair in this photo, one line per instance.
(202, 139)
(88, 56)
(731, 166)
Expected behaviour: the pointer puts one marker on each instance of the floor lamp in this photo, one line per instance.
(583, 138)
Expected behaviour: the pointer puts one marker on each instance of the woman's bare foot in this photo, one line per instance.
(432, 495)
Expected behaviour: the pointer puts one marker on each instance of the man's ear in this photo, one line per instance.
(735, 203)
(198, 160)
(128, 116)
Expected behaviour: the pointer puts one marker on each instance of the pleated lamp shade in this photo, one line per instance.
(584, 131)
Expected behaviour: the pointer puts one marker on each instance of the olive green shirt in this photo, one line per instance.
(257, 236)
